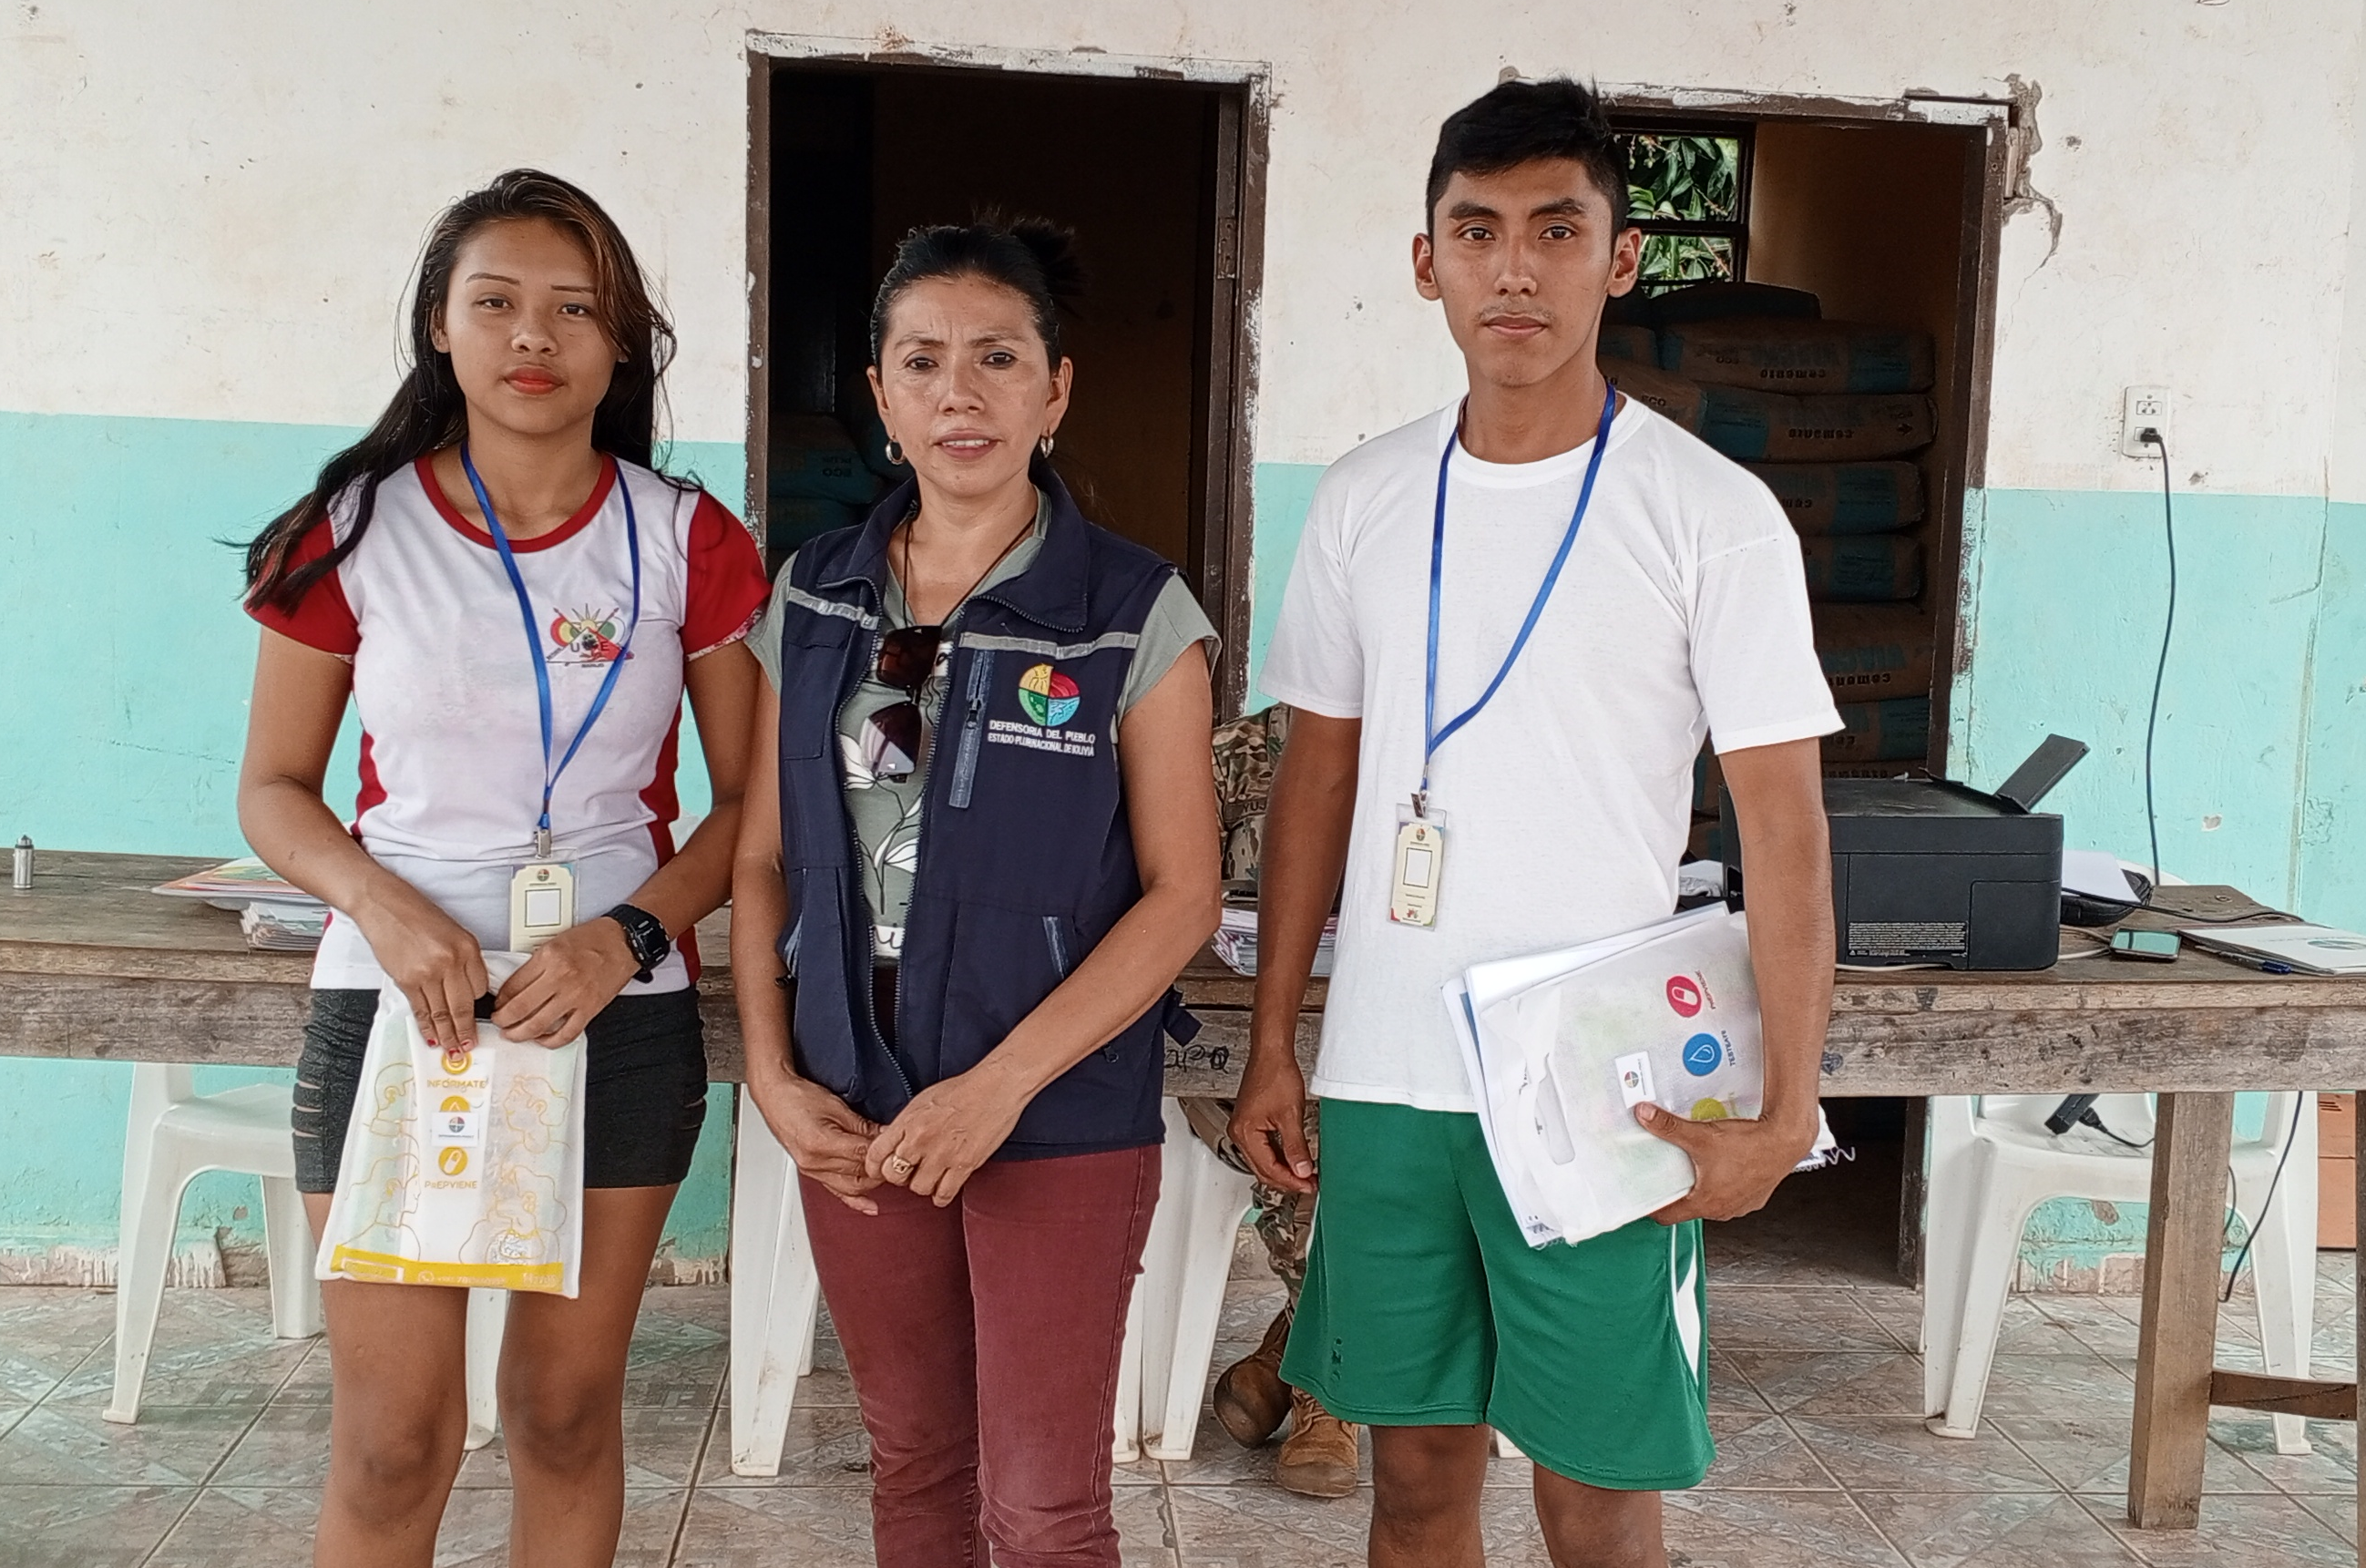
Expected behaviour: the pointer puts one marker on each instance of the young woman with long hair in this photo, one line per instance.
(982, 830)
(506, 492)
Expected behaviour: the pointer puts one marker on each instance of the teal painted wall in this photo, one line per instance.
(127, 661)
(2064, 607)
(1282, 493)
(2333, 797)
(2262, 731)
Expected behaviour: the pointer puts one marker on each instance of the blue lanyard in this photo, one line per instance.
(533, 641)
(1433, 736)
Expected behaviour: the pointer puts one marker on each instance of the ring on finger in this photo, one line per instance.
(898, 1169)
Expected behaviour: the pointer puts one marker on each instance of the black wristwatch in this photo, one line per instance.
(644, 935)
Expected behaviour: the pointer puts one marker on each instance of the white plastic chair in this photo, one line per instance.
(1170, 1328)
(1993, 1163)
(1171, 1334)
(173, 1134)
(775, 1294)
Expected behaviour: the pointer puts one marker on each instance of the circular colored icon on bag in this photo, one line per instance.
(456, 1059)
(1049, 697)
(1702, 1054)
(1710, 1111)
(451, 1162)
(1683, 996)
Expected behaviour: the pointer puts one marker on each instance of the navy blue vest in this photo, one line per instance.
(1026, 858)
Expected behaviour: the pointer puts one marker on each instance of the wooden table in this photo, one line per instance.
(94, 967)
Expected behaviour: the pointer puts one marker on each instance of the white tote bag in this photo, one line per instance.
(462, 1167)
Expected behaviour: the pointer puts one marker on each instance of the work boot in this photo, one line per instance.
(1318, 1458)
(1251, 1399)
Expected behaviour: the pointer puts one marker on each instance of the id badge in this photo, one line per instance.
(542, 903)
(1420, 865)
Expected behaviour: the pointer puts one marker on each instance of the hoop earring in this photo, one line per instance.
(1044, 446)
(895, 452)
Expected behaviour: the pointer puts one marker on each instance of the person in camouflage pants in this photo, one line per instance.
(1318, 1459)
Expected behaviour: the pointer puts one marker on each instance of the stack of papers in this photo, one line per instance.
(1562, 1046)
(276, 914)
(1235, 941)
(276, 927)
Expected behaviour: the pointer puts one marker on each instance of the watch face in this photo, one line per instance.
(644, 935)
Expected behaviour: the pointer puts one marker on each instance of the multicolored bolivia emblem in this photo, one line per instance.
(1049, 697)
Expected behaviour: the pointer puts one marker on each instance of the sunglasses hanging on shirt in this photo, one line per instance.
(895, 736)
(892, 736)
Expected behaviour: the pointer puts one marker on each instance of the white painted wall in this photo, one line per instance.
(211, 208)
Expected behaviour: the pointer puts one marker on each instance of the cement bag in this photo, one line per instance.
(1640, 344)
(462, 1167)
(791, 520)
(1755, 427)
(1799, 356)
(1722, 301)
(812, 456)
(1671, 396)
(1868, 566)
(1899, 728)
(1846, 498)
(1873, 651)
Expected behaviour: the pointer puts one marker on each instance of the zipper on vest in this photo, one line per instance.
(981, 673)
(871, 916)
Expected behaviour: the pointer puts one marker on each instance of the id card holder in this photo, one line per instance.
(1419, 864)
(542, 903)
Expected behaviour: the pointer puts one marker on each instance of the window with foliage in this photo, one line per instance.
(1689, 192)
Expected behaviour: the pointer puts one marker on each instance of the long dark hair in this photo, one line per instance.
(428, 414)
(1032, 258)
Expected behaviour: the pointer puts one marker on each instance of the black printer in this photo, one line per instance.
(1926, 871)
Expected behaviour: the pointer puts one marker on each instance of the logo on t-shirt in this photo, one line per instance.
(1049, 697)
(1684, 995)
(585, 636)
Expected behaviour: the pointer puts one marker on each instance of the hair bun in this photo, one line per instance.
(1033, 257)
(1053, 246)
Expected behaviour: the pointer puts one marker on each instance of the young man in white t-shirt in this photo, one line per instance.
(1680, 610)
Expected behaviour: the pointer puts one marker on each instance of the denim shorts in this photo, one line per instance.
(645, 1088)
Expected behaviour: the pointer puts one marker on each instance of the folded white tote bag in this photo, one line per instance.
(463, 1167)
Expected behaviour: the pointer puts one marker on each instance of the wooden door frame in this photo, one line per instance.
(1224, 525)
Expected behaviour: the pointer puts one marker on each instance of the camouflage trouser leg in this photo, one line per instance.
(1284, 1219)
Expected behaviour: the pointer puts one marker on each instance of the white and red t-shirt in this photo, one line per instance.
(451, 753)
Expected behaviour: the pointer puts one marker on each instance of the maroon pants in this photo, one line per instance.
(983, 1341)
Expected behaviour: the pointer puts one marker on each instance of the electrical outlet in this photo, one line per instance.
(2146, 408)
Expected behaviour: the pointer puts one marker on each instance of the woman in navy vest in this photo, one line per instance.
(955, 943)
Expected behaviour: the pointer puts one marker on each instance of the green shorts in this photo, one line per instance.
(1424, 1306)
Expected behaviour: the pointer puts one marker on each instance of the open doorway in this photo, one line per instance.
(1771, 224)
(1156, 178)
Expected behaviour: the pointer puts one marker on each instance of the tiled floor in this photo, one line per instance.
(1815, 1392)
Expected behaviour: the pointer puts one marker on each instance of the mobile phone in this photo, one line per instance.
(2160, 947)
